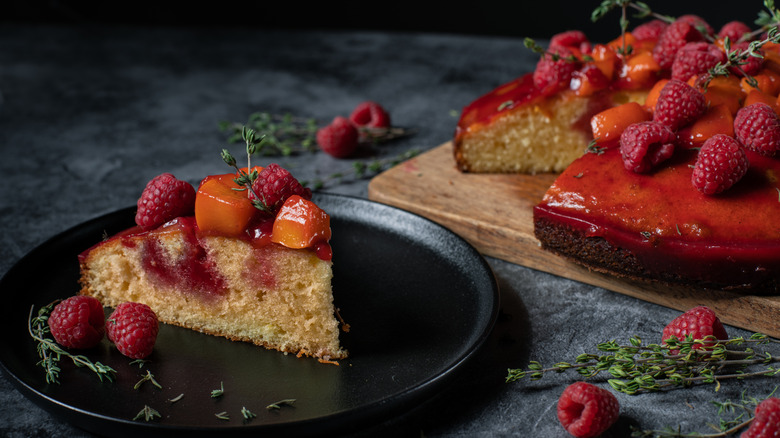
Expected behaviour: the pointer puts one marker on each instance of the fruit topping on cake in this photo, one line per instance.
(245, 256)
(678, 70)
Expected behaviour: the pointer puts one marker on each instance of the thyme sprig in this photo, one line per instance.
(147, 413)
(280, 403)
(247, 414)
(643, 11)
(735, 59)
(638, 368)
(246, 179)
(286, 135)
(148, 377)
(215, 393)
(766, 20)
(732, 417)
(51, 353)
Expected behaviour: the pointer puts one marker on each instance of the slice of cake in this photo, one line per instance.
(518, 129)
(540, 122)
(251, 265)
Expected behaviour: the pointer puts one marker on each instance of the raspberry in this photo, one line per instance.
(721, 163)
(644, 145)
(757, 127)
(699, 23)
(133, 327)
(697, 322)
(370, 115)
(678, 104)
(274, 185)
(650, 30)
(585, 410)
(571, 39)
(733, 30)
(766, 422)
(163, 199)
(339, 139)
(78, 322)
(551, 75)
(695, 58)
(672, 39)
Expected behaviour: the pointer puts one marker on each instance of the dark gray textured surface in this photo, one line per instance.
(90, 114)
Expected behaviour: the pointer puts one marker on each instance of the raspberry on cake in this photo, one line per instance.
(231, 269)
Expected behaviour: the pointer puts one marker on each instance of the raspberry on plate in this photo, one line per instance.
(78, 322)
(678, 105)
(274, 184)
(370, 115)
(164, 198)
(757, 127)
(698, 322)
(720, 164)
(339, 139)
(586, 410)
(766, 422)
(644, 145)
(133, 328)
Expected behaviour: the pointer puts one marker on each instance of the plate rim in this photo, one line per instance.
(370, 413)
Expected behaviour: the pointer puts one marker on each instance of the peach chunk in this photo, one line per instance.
(652, 95)
(221, 207)
(717, 120)
(610, 123)
(300, 223)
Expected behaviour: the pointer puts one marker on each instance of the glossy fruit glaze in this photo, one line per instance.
(482, 111)
(732, 238)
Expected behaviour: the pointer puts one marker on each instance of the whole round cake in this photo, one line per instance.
(666, 138)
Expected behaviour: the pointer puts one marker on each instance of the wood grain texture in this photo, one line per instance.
(494, 214)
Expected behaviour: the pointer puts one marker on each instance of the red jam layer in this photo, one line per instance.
(731, 238)
(482, 111)
(196, 271)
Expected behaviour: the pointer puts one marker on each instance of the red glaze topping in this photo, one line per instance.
(670, 226)
(482, 111)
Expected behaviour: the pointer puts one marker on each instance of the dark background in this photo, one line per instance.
(537, 19)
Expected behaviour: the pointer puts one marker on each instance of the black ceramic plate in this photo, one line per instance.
(420, 301)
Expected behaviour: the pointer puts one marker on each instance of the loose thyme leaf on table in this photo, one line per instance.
(732, 417)
(636, 368)
(148, 377)
(218, 392)
(50, 352)
(147, 413)
(280, 403)
(285, 135)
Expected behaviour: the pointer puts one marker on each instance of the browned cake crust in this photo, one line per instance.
(597, 254)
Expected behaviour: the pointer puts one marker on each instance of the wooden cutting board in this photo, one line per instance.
(494, 214)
